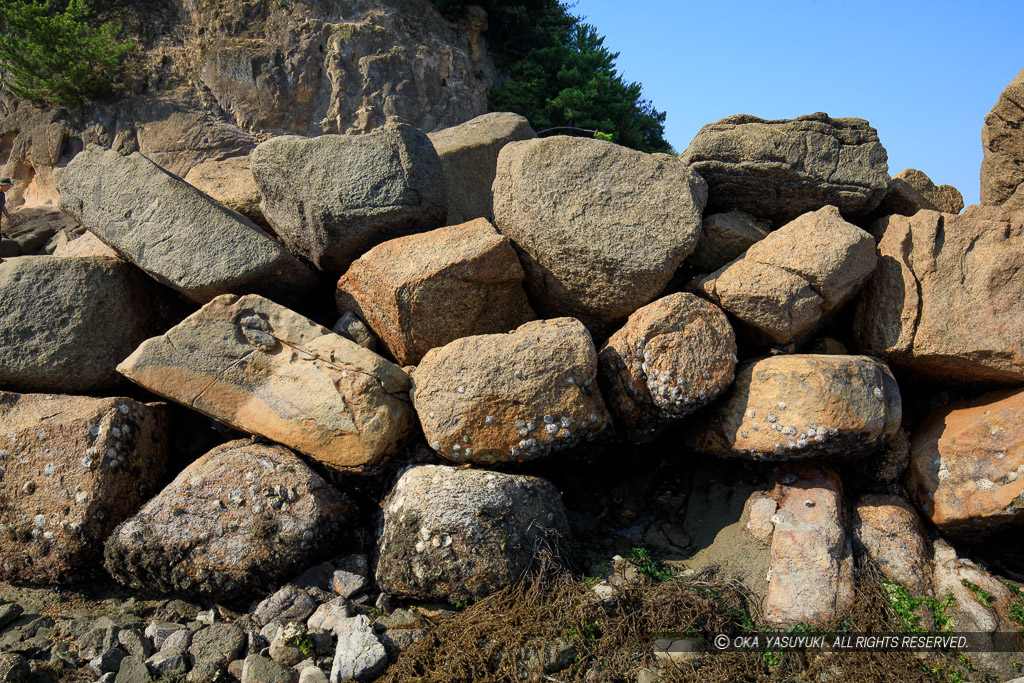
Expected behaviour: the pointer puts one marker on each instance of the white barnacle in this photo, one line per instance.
(801, 443)
(87, 462)
(744, 433)
(772, 417)
(781, 405)
(461, 390)
(790, 443)
(489, 420)
(514, 451)
(571, 380)
(751, 413)
(985, 484)
(548, 419)
(566, 422)
(551, 428)
(469, 452)
(756, 426)
(123, 408)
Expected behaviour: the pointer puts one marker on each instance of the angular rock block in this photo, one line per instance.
(803, 406)
(784, 168)
(331, 198)
(258, 367)
(966, 469)
(513, 397)
(600, 229)
(672, 357)
(71, 469)
(944, 301)
(1002, 137)
(811, 576)
(786, 286)
(911, 191)
(724, 237)
(454, 534)
(469, 156)
(66, 323)
(242, 517)
(230, 182)
(423, 291)
(174, 232)
(891, 534)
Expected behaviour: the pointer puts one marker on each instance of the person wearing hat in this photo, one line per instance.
(5, 184)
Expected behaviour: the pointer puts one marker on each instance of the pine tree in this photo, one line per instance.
(54, 57)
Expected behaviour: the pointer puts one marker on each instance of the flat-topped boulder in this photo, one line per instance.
(469, 155)
(425, 290)
(787, 285)
(259, 367)
(71, 469)
(944, 302)
(461, 534)
(66, 323)
(600, 229)
(498, 398)
(243, 516)
(966, 469)
(784, 168)
(180, 236)
(804, 406)
(331, 198)
(672, 357)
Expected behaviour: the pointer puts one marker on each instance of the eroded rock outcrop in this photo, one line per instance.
(1002, 168)
(261, 368)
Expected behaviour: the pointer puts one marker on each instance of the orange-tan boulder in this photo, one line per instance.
(243, 516)
(1002, 138)
(513, 397)
(259, 367)
(889, 532)
(967, 465)
(71, 469)
(86, 245)
(803, 406)
(230, 182)
(425, 290)
(672, 357)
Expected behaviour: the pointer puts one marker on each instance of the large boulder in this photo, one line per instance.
(66, 323)
(1002, 138)
(469, 155)
(724, 237)
(811, 575)
(784, 168)
(423, 291)
(71, 469)
(243, 516)
(804, 406)
(457, 534)
(672, 357)
(174, 232)
(600, 228)
(230, 182)
(513, 397)
(787, 285)
(331, 198)
(967, 465)
(944, 301)
(889, 532)
(911, 191)
(261, 368)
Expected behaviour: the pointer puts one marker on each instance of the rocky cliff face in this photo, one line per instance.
(218, 77)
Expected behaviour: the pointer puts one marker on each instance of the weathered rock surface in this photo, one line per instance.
(812, 560)
(724, 237)
(175, 233)
(944, 301)
(911, 190)
(672, 357)
(784, 168)
(240, 517)
(802, 406)
(86, 245)
(1002, 138)
(359, 656)
(213, 648)
(262, 670)
(967, 465)
(890, 533)
(788, 284)
(67, 323)
(456, 534)
(230, 182)
(511, 397)
(333, 197)
(71, 469)
(259, 367)
(35, 226)
(423, 291)
(469, 155)
(600, 229)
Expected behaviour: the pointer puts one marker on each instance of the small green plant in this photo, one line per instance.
(460, 604)
(607, 137)
(1017, 609)
(586, 633)
(504, 540)
(55, 57)
(174, 676)
(305, 644)
(907, 607)
(982, 595)
(647, 565)
(771, 658)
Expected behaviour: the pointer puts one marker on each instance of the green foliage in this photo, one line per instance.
(907, 607)
(982, 595)
(305, 644)
(646, 564)
(560, 76)
(584, 634)
(55, 57)
(1017, 608)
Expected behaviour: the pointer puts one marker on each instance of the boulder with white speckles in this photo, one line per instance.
(461, 534)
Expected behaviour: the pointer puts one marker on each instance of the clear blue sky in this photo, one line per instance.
(924, 74)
